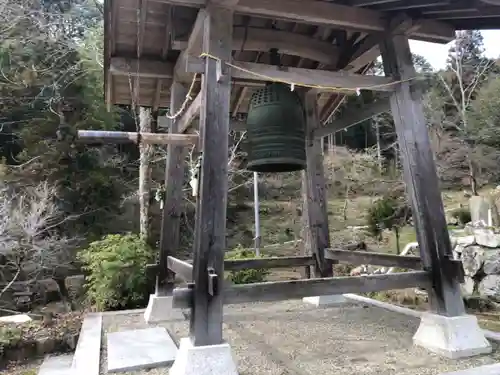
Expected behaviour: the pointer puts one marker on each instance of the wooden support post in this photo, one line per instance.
(421, 177)
(210, 230)
(317, 236)
(172, 208)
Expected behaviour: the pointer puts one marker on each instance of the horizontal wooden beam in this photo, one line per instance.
(378, 259)
(189, 115)
(120, 66)
(98, 136)
(181, 268)
(328, 14)
(262, 40)
(352, 117)
(274, 262)
(322, 79)
(295, 289)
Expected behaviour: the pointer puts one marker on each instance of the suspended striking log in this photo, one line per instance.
(98, 136)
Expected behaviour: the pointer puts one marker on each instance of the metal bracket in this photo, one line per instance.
(213, 282)
(222, 70)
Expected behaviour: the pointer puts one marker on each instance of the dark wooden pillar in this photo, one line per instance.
(315, 212)
(421, 178)
(172, 208)
(210, 230)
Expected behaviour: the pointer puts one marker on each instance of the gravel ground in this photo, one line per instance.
(291, 338)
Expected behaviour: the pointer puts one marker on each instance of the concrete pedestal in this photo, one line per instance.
(203, 360)
(332, 300)
(451, 337)
(160, 310)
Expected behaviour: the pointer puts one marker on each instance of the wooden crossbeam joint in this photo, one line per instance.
(453, 269)
(212, 281)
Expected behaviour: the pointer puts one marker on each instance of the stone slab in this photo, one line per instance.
(88, 350)
(140, 349)
(160, 310)
(481, 370)
(56, 365)
(452, 337)
(17, 319)
(332, 300)
(203, 360)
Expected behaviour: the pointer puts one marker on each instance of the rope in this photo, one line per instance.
(301, 84)
(186, 100)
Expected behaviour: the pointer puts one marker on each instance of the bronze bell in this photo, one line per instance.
(276, 130)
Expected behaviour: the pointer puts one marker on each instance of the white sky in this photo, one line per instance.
(436, 54)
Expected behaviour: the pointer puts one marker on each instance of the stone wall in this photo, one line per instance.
(478, 246)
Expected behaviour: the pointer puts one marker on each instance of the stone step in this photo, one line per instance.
(493, 369)
(88, 350)
(56, 365)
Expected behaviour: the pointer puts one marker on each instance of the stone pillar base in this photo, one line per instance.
(203, 360)
(160, 310)
(332, 300)
(452, 337)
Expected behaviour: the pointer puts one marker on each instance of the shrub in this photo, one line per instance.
(381, 215)
(9, 337)
(387, 213)
(116, 268)
(462, 215)
(247, 276)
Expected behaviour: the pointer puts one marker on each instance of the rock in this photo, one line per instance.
(71, 341)
(45, 345)
(479, 303)
(491, 264)
(467, 287)
(47, 291)
(479, 209)
(487, 237)
(472, 259)
(490, 287)
(75, 286)
(358, 271)
(15, 319)
(465, 240)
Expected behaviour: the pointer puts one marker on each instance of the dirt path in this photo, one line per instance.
(290, 338)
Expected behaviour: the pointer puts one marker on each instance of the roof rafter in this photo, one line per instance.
(262, 40)
(328, 14)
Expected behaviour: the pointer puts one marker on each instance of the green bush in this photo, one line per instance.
(388, 213)
(248, 276)
(9, 337)
(462, 215)
(382, 215)
(116, 272)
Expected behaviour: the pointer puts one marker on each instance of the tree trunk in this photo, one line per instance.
(472, 175)
(379, 148)
(146, 153)
(398, 245)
